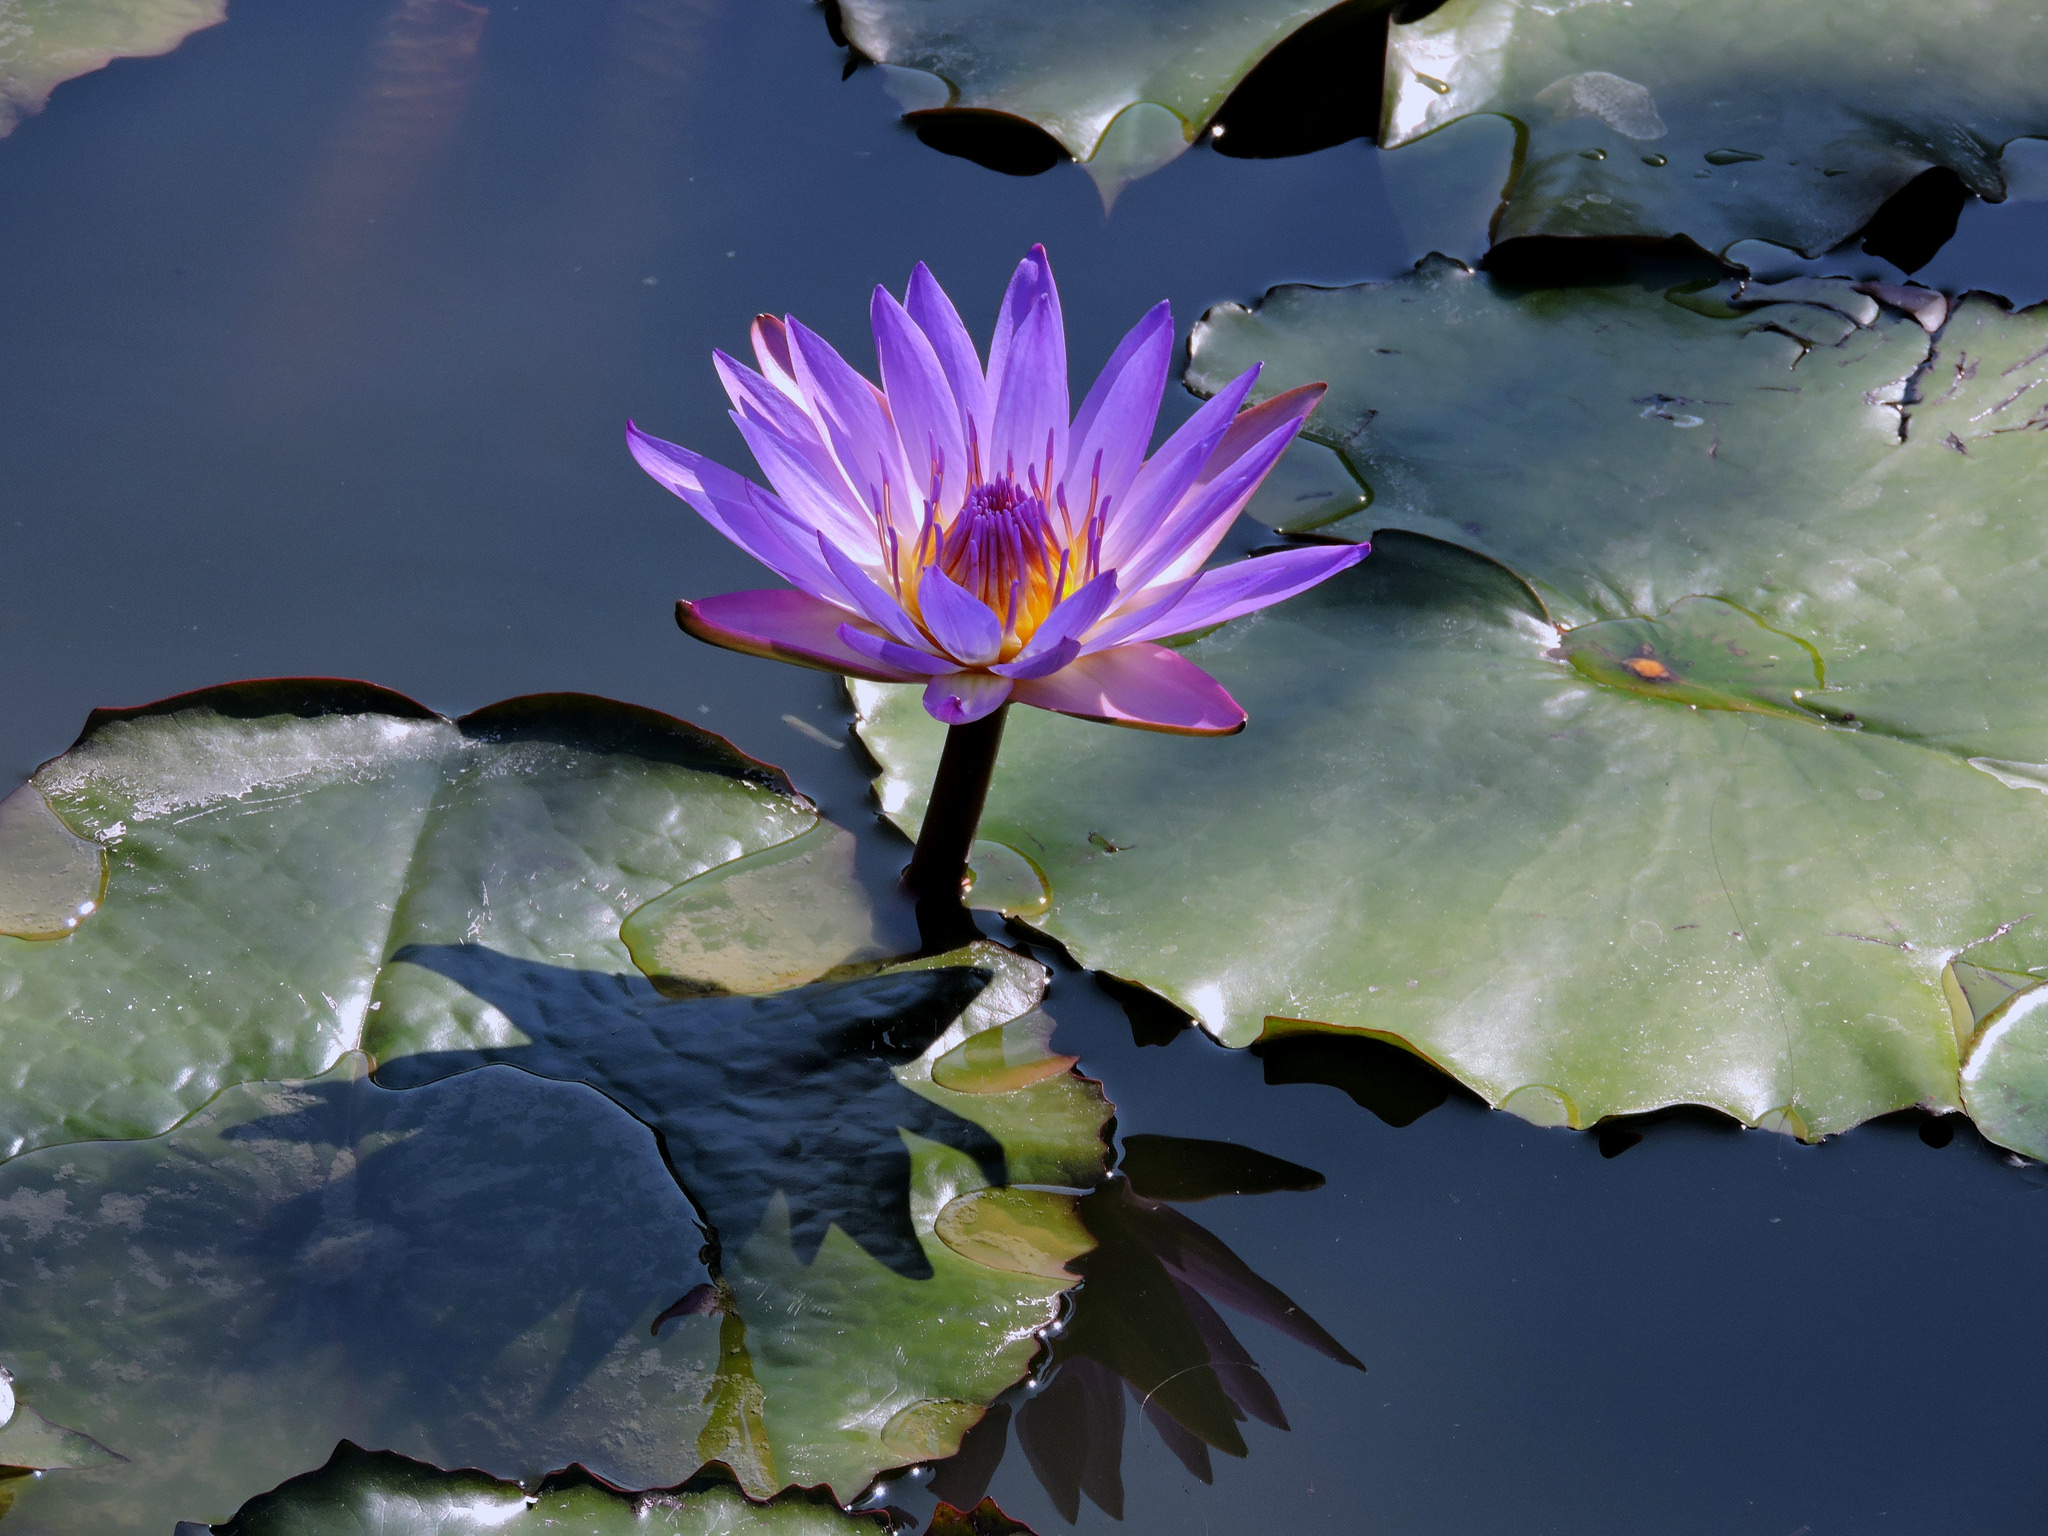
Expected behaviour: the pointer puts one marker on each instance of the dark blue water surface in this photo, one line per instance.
(313, 364)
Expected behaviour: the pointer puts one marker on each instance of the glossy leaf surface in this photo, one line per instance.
(1732, 874)
(1725, 122)
(269, 846)
(1123, 88)
(365, 1493)
(43, 43)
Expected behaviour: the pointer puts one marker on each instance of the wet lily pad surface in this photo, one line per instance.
(43, 43)
(269, 846)
(815, 1288)
(1659, 763)
(1122, 88)
(365, 1493)
(1728, 122)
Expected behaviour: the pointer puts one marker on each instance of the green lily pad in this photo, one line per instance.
(43, 43)
(1462, 822)
(1124, 87)
(269, 846)
(1723, 123)
(303, 1263)
(373, 1493)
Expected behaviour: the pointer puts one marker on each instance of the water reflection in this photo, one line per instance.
(1145, 1325)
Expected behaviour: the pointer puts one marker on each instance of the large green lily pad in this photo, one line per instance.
(1684, 782)
(43, 43)
(1725, 122)
(297, 870)
(369, 1493)
(269, 846)
(1123, 87)
(500, 1271)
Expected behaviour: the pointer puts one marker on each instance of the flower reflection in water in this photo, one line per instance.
(1145, 1323)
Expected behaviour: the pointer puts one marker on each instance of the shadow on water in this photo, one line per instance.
(749, 1096)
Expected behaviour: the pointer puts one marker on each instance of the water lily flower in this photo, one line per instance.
(958, 527)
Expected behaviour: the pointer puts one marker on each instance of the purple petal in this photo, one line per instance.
(735, 506)
(1072, 617)
(785, 626)
(1042, 662)
(856, 426)
(1217, 596)
(961, 698)
(771, 351)
(1146, 686)
(901, 658)
(1190, 533)
(1164, 481)
(813, 491)
(1117, 418)
(1252, 432)
(1031, 282)
(1029, 439)
(964, 626)
(920, 400)
(867, 597)
(1125, 625)
(935, 315)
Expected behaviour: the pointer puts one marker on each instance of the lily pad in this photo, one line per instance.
(304, 1263)
(372, 1493)
(1726, 122)
(268, 847)
(43, 43)
(1124, 88)
(1461, 823)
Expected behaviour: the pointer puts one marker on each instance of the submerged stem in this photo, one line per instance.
(938, 869)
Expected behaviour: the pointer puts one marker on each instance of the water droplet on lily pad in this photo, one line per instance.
(1730, 156)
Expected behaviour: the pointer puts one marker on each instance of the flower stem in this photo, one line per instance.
(938, 869)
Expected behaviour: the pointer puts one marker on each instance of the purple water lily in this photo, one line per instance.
(957, 528)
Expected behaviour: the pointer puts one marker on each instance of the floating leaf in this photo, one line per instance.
(51, 879)
(269, 845)
(1460, 827)
(359, 1492)
(43, 43)
(774, 919)
(1723, 123)
(300, 1264)
(1124, 88)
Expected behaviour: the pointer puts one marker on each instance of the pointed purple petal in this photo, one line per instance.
(814, 492)
(964, 626)
(961, 698)
(921, 401)
(771, 351)
(1117, 418)
(1164, 481)
(935, 315)
(1072, 617)
(785, 626)
(1042, 662)
(732, 504)
(1031, 403)
(1146, 686)
(855, 425)
(1217, 596)
(868, 597)
(900, 658)
(1031, 282)
(1191, 531)
(1255, 432)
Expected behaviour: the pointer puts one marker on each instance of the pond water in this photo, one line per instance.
(319, 366)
